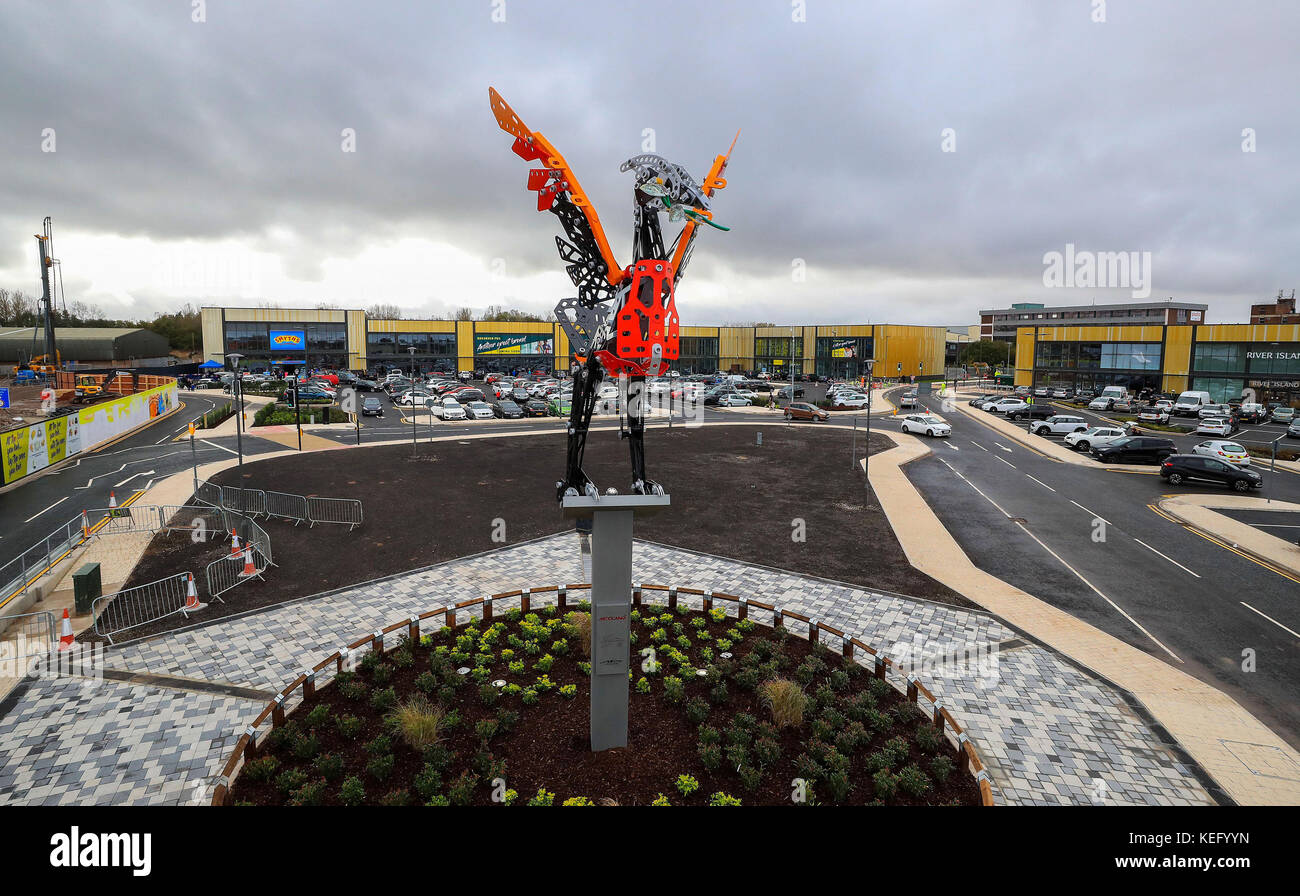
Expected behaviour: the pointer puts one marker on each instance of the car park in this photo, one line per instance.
(478, 410)
(372, 407)
(1096, 435)
(1229, 452)
(1134, 450)
(801, 410)
(928, 424)
(1058, 424)
(1179, 468)
(1153, 415)
(1216, 426)
(446, 408)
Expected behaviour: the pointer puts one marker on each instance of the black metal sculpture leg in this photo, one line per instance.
(585, 390)
(636, 403)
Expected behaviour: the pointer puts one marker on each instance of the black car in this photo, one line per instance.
(1180, 468)
(1135, 450)
(1032, 412)
(784, 394)
(372, 407)
(507, 410)
(536, 408)
(985, 397)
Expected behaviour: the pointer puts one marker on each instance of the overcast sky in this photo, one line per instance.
(204, 161)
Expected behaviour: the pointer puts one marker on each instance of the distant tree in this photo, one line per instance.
(501, 314)
(384, 311)
(464, 314)
(986, 351)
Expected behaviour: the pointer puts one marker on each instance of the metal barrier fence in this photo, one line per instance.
(249, 532)
(27, 636)
(119, 520)
(344, 511)
(17, 575)
(225, 573)
(251, 501)
(127, 609)
(285, 506)
(209, 522)
(208, 493)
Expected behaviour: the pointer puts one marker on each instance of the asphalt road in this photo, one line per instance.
(1280, 523)
(1093, 543)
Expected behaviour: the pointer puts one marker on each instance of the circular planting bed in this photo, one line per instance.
(494, 710)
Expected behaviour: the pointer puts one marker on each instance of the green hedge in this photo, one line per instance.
(277, 415)
(216, 415)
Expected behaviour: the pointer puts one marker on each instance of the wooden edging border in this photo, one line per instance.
(967, 757)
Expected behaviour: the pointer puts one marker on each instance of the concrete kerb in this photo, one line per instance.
(1196, 716)
(1198, 512)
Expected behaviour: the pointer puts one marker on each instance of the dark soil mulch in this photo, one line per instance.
(730, 497)
(547, 746)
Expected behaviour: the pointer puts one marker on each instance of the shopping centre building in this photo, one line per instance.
(348, 339)
(1222, 359)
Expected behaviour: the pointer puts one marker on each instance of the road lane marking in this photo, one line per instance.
(1008, 463)
(979, 446)
(1003, 447)
(51, 507)
(1097, 516)
(1270, 619)
(1042, 483)
(222, 447)
(1227, 547)
(1167, 557)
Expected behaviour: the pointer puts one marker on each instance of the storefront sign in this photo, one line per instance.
(1274, 356)
(848, 348)
(526, 344)
(289, 340)
(1275, 384)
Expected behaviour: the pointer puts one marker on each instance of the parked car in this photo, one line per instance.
(535, 407)
(1059, 424)
(309, 396)
(1230, 452)
(1032, 412)
(1135, 449)
(1097, 435)
(507, 410)
(1293, 430)
(732, 400)
(1283, 415)
(801, 410)
(1042, 392)
(1214, 410)
(411, 397)
(980, 399)
(849, 400)
(465, 396)
(926, 423)
(784, 394)
(1216, 426)
(1005, 405)
(465, 376)
(446, 408)
(1153, 415)
(1252, 412)
(1179, 468)
(372, 407)
(478, 410)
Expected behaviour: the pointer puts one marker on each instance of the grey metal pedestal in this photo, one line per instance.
(611, 602)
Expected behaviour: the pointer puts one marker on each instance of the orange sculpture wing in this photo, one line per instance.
(713, 181)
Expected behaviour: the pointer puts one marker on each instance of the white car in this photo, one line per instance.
(926, 423)
(1230, 452)
(1215, 426)
(1100, 404)
(1214, 410)
(1061, 424)
(849, 400)
(448, 409)
(732, 400)
(1097, 435)
(1005, 405)
(908, 400)
(478, 410)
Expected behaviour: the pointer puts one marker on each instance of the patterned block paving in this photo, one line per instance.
(76, 742)
(1048, 733)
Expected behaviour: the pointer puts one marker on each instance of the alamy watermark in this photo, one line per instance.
(1098, 270)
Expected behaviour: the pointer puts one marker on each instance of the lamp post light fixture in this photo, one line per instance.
(237, 390)
(411, 349)
(866, 460)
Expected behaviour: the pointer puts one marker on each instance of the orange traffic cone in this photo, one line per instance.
(248, 563)
(234, 542)
(192, 596)
(85, 525)
(65, 634)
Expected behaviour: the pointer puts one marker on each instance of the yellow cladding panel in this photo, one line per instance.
(412, 326)
(286, 315)
(517, 327)
(563, 359)
(1145, 333)
(699, 331)
(213, 349)
(845, 330)
(356, 340)
(1024, 356)
(737, 343)
(465, 343)
(1177, 360)
(919, 350)
(1248, 333)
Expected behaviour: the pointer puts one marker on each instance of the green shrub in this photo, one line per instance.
(886, 785)
(913, 781)
(396, 798)
(674, 689)
(941, 767)
(686, 785)
(329, 766)
(348, 727)
(305, 746)
(290, 780)
(384, 700)
(260, 771)
(786, 701)
(380, 767)
(721, 799)
(697, 710)
(750, 777)
(351, 792)
(928, 739)
(710, 756)
(544, 798)
(766, 751)
(310, 794)
(318, 716)
(461, 791)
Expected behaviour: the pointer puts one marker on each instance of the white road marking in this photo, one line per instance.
(1008, 463)
(952, 446)
(1042, 483)
(1273, 526)
(1269, 618)
(1003, 447)
(1089, 512)
(1170, 559)
(51, 507)
(222, 447)
(134, 476)
(979, 446)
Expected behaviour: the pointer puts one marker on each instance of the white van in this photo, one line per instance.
(1109, 395)
(1189, 404)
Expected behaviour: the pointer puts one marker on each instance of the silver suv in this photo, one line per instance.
(1060, 424)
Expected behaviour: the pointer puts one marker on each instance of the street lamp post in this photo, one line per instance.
(411, 349)
(866, 460)
(237, 390)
